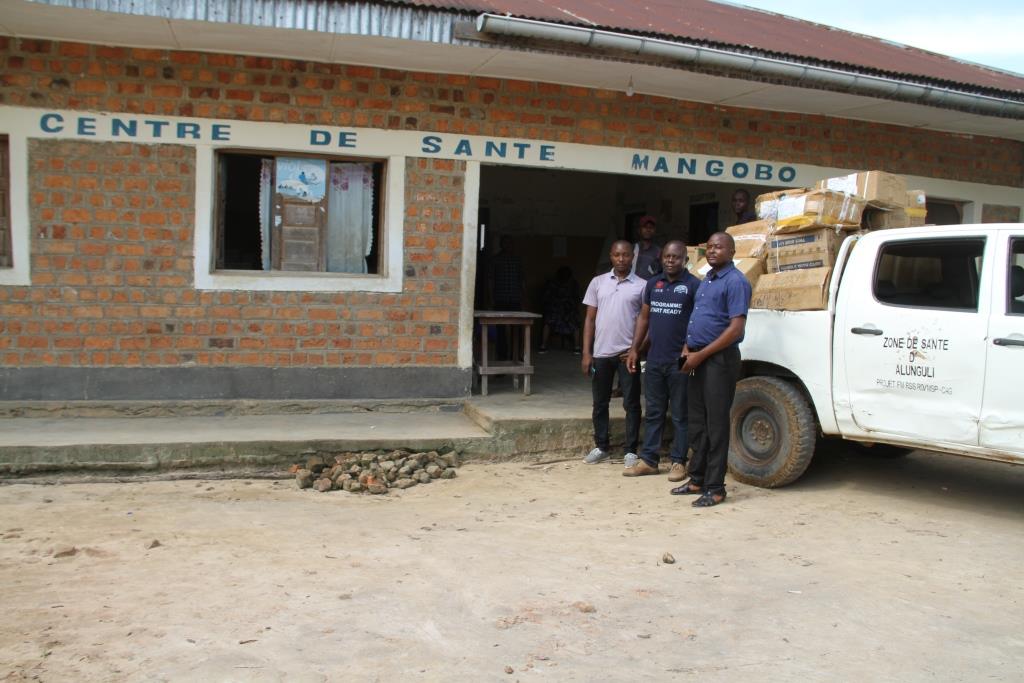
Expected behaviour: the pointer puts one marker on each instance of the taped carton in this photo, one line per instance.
(793, 290)
(752, 268)
(818, 209)
(766, 206)
(878, 188)
(803, 250)
(751, 238)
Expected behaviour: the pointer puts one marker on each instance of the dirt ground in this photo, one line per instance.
(866, 569)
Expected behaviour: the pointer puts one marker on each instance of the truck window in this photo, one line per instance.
(936, 273)
(1015, 284)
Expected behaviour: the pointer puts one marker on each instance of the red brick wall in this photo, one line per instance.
(112, 275)
(112, 223)
(75, 76)
(995, 213)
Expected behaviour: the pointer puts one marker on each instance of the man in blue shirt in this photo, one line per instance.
(668, 302)
(712, 358)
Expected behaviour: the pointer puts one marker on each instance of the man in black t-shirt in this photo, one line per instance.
(664, 317)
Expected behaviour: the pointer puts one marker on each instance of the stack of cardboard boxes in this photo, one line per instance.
(789, 252)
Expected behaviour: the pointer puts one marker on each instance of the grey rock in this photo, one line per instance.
(423, 477)
(323, 484)
(356, 487)
(304, 478)
(404, 471)
(405, 483)
(377, 488)
(387, 465)
(451, 459)
(434, 471)
(449, 473)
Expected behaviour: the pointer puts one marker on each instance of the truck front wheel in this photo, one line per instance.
(772, 434)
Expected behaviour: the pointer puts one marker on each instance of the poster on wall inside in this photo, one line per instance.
(301, 178)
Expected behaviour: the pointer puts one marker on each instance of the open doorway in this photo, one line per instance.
(555, 220)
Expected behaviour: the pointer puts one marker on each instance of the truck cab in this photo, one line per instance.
(921, 347)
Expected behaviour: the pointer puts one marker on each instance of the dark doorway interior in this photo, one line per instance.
(703, 222)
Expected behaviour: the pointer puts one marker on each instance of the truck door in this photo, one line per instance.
(1002, 411)
(913, 347)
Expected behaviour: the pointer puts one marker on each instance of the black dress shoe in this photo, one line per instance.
(708, 499)
(685, 490)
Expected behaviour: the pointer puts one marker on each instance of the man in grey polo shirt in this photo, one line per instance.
(613, 302)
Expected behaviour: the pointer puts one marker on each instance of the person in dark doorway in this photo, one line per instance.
(712, 358)
(507, 288)
(613, 302)
(561, 309)
(647, 254)
(664, 317)
(741, 207)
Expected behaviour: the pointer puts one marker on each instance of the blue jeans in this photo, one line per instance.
(664, 389)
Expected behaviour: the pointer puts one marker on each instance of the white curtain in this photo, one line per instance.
(349, 217)
(266, 197)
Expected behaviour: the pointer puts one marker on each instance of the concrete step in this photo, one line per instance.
(41, 444)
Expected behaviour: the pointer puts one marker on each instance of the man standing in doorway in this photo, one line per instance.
(664, 317)
(741, 207)
(647, 254)
(712, 358)
(613, 303)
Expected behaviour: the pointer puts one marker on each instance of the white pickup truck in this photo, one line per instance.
(922, 346)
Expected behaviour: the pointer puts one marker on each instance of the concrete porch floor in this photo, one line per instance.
(554, 421)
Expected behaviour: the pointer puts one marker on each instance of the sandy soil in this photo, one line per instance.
(865, 569)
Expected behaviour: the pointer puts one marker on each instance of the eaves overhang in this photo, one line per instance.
(415, 37)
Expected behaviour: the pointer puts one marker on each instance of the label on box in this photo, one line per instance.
(847, 184)
(792, 206)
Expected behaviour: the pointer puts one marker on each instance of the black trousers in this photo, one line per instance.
(712, 388)
(605, 370)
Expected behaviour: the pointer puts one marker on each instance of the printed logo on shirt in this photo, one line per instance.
(681, 289)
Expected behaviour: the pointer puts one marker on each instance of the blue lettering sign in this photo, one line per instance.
(787, 174)
(522, 147)
(86, 125)
(188, 130)
(51, 123)
(639, 162)
(763, 172)
(661, 165)
(319, 137)
(129, 128)
(499, 149)
(157, 126)
(714, 167)
(220, 131)
(346, 139)
(685, 165)
(547, 152)
(464, 148)
(740, 170)
(431, 144)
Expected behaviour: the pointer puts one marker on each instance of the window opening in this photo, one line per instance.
(930, 274)
(298, 213)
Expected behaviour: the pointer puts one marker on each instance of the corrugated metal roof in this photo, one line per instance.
(725, 25)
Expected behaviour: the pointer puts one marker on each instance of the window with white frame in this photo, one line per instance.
(289, 212)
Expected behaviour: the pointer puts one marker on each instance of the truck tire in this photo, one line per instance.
(772, 432)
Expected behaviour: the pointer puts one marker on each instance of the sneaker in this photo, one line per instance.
(595, 456)
(630, 459)
(677, 472)
(542, 349)
(640, 469)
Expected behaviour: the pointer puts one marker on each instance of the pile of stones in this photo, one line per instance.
(375, 473)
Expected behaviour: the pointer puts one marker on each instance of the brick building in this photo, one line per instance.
(213, 200)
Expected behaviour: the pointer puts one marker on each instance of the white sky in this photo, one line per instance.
(989, 32)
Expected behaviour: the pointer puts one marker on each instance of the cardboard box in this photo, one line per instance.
(793, 290)
(694, 255)
(877, 188)
(916, 199)
(751, 237)
(803, 250)
(818, 209)
(883, 219)
(766, 205)
(752, 268)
